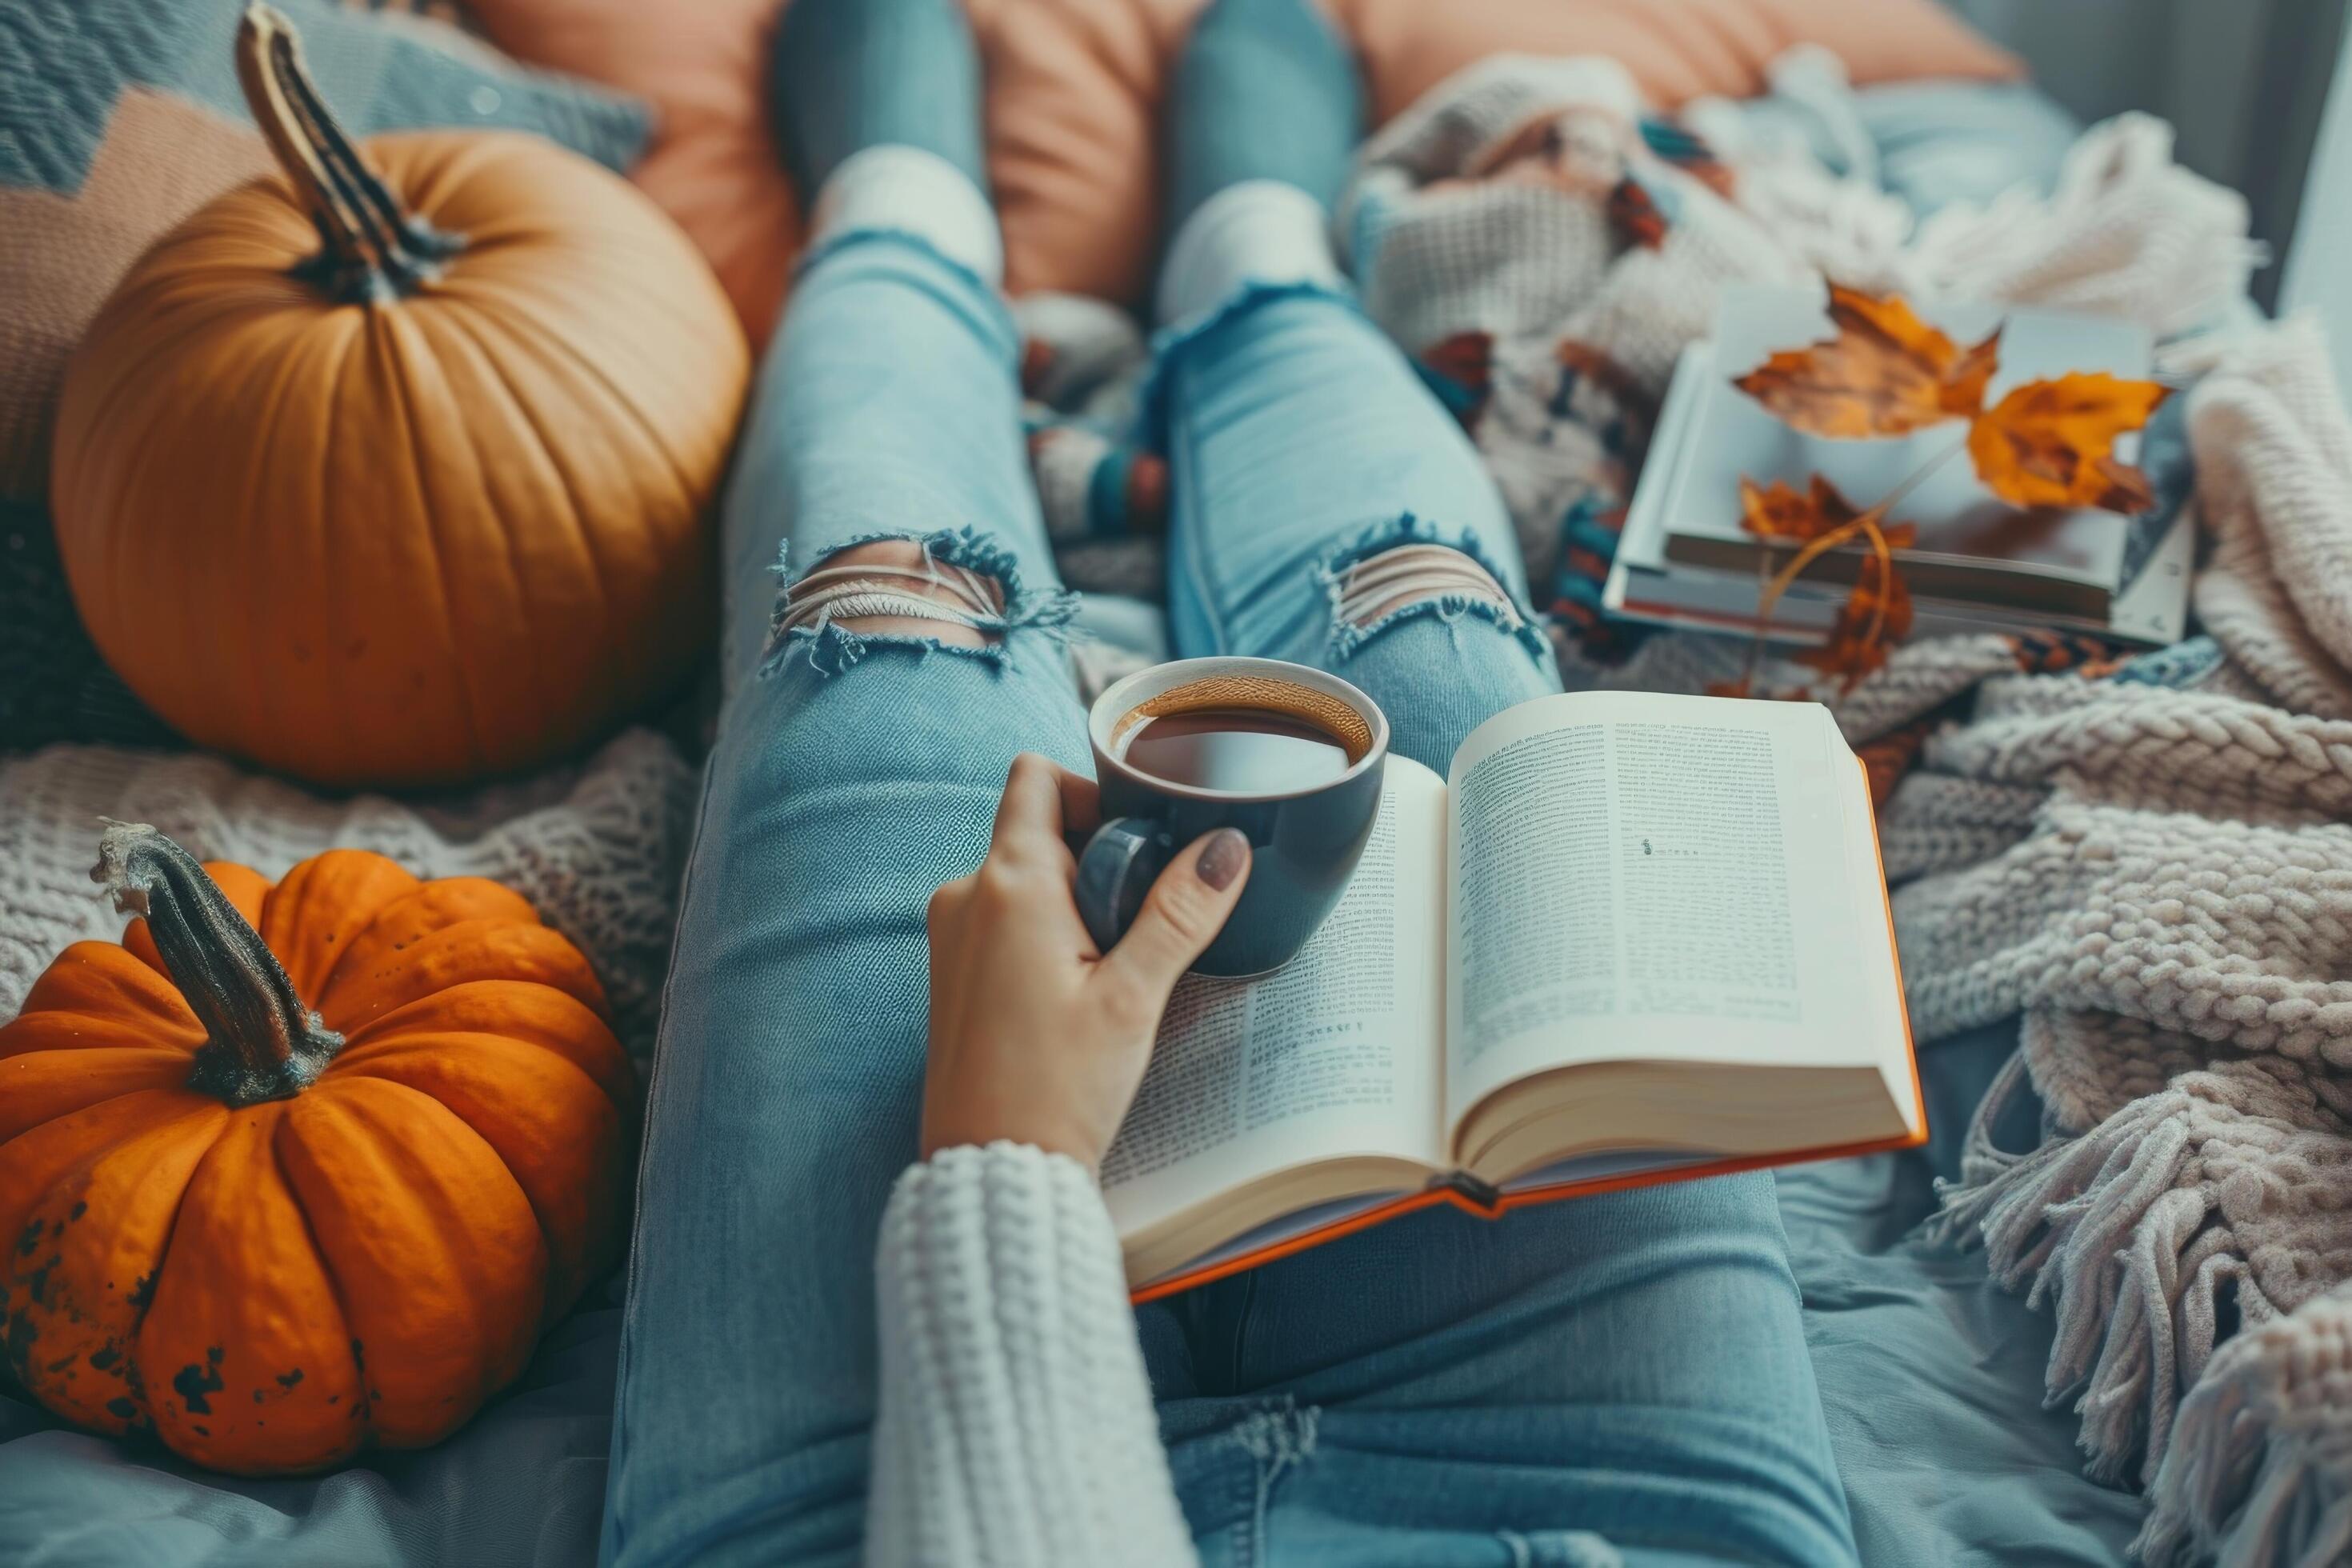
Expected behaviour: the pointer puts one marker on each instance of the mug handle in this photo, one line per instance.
(1115, 870)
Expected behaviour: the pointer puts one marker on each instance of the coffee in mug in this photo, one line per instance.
(1289, 755)
(1242, 733)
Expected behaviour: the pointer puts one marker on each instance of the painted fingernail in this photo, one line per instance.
(1221, 858)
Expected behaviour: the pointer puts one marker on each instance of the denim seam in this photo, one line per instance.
(1169, 348)
(617, 1444)
(1172, 343)
(1408, 528)
(896, 234)
(1280, 1437)
(1561, 1548)
(1192, 559)
(832, 648)
(1241, 1312)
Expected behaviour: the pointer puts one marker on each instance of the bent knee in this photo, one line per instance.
(1375, 589)
(897, 587)
(956, 591)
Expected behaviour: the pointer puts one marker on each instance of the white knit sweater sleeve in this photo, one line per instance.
(1016, 1424)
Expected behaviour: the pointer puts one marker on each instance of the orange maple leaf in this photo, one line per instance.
(1780, 511)
(2051, 443)
(1887, 372)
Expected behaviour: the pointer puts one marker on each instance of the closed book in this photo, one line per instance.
(1645, 585)
(1972, 548)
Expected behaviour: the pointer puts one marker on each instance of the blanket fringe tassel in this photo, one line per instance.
(2103, 1227)
(2260, 1470)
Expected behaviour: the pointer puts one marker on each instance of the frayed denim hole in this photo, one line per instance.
(967, 547)
(1408, 528)
(833, 648)
(1280, 1433)
(1452, 608)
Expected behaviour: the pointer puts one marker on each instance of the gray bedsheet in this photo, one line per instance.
(522, 1484)
(1931, 1376)
(1931, 1379)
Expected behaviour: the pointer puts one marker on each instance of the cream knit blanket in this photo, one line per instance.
(2147, 859)
(597, 848)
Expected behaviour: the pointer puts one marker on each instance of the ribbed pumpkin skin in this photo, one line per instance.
(419, 540)
(273, 1288)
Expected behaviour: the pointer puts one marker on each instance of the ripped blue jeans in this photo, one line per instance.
(1619, 1379)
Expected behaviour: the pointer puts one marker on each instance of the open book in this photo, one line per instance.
(1628, 939)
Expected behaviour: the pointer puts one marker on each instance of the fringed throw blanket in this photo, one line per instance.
(2172, 913)
(2147, 857)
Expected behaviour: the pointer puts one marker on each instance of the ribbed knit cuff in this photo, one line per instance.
(1016, 1422)
(1259, 231)
(906, 190)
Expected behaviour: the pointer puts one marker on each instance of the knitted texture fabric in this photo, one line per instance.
(1546, 247)
(1016, 1424)
(2148, 858)
(1103, 493)
(2173, 915)
(598, 849)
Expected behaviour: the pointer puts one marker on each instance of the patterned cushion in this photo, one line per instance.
(1074, 99)
(118, 118)
(53, 685)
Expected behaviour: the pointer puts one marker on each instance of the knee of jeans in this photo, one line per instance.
(952, 592)
(1404, 569)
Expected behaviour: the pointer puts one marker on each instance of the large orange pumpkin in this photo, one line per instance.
(273, 1235)
(395, 470)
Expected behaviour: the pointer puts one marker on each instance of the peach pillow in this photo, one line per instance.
(1676, 49)
(712, 166)
(1075, 90)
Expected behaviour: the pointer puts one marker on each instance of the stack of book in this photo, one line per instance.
(1979, 563)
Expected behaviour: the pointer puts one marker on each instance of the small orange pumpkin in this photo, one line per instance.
(273, 1235)
(421, 443)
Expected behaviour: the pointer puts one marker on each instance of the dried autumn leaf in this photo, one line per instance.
(2051, 443)
(1778, 511)
(1875, 616)
(1877, 608)
(1887, 372)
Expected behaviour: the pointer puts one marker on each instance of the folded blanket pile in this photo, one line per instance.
(598, 849)
(2148, 858)
(2173, 915)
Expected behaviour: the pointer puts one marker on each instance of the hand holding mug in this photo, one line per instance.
(1037, 1034)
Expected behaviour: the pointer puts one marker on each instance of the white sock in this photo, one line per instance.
(915, 192)
(1258, 231)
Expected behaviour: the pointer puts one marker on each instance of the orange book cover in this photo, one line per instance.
(1504, 1203)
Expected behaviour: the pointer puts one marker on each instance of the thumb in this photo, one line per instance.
(1182, 913)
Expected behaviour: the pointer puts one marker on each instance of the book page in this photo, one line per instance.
(1335, 1055)
(1643, 877)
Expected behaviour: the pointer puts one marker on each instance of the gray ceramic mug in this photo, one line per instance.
(1305, 840)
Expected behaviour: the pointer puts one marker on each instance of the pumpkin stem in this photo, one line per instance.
(374, 248)
(262, 1042)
